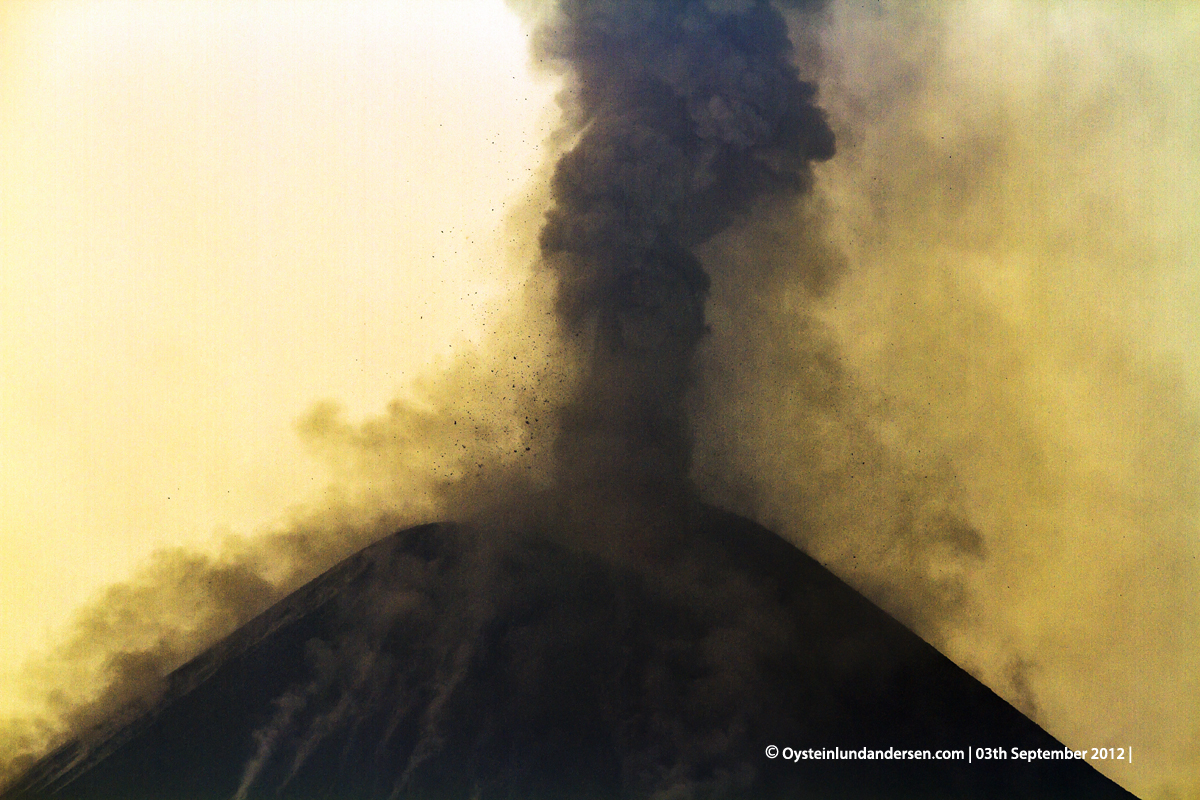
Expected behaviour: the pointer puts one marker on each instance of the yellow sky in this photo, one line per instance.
(212, 216)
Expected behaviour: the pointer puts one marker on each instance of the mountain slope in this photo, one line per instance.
(442, 662)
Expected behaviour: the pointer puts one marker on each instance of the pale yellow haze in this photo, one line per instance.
(213, 215)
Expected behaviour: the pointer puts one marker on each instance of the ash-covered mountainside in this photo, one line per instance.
(445, 662)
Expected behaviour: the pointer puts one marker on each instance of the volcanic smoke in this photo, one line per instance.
(684, 255)
(689, 115)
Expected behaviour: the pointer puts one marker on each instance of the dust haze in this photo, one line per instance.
(960, 372)
(1007, 346)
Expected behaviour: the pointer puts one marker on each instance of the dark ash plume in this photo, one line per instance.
(688, 113)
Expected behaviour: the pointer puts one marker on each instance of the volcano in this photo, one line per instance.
(449, 662)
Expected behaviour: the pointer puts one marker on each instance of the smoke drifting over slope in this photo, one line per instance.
(927, 374)
(1005, 348)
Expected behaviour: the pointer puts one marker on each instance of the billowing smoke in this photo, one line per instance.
(689, 115)
(111, 665)
(930, 372)
(988, 424)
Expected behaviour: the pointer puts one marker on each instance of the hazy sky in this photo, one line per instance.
(213, 215)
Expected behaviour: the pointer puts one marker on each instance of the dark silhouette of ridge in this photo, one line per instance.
(444, 663)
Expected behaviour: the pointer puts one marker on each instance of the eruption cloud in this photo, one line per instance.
(887, 356)
(689, 114)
